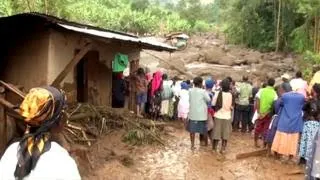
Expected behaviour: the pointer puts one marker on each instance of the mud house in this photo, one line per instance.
(38, 49)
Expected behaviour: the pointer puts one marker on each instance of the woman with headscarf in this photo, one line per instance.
(311, 124)
(290, 124)
(222, 116)
(155, 95)
(36, 156)
(183, 105)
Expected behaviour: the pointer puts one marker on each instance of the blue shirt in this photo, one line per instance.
(290, 118)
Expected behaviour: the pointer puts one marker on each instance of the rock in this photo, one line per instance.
(192, 58)
(213, 55)
(177, 63)
(227, 60)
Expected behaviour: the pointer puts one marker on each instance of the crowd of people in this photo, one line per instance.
(284, 116)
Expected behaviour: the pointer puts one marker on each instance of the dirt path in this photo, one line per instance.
(177, 161)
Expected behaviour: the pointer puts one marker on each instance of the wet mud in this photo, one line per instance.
(178, 161)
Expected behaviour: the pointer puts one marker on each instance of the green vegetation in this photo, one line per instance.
(273, 25)
(135, 16)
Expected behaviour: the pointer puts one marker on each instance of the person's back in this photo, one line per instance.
(291, 113)
(52, 165)
(225, 111)
(198, 99)
(36, 156)
(245, 93)
(299, 85)
(267, 97)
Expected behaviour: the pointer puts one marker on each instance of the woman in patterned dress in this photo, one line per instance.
(311, 124)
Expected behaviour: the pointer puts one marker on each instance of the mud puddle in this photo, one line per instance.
(178, 161)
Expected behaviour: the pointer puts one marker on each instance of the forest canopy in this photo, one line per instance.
(135, 16)
(266, 25)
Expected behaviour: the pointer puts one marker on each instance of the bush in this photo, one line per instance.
(201, 26)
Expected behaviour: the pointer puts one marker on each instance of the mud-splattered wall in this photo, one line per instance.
(62, 48)
(24, 61)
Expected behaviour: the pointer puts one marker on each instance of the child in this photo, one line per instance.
(198, 114)
(183, 105)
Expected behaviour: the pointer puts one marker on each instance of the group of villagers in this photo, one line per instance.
(286, 120)
(285, 117)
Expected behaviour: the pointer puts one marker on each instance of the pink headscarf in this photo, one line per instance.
(156, 82)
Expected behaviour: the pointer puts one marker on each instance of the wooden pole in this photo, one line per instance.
(13, 89)
(278, 27)
(74, 61)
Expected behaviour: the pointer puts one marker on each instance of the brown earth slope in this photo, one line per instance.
(207, 55)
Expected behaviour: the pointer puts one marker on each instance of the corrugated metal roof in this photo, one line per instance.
(99, 32)
(111, 35)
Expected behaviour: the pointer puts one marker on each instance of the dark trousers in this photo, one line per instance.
(242, 114)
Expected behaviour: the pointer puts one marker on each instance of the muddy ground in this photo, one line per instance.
(110, 158)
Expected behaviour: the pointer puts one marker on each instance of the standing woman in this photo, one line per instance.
(198, 113)
(36, 155)
(155, 95)
(183, 105)
(290, 125)
(311, 123)
(222, 116)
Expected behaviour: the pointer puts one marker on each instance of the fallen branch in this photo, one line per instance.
(251, 154)
(81, 116)
(295, 172)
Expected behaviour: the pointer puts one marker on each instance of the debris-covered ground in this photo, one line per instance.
(112, 156)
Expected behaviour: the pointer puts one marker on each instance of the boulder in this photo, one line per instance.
(212, 55)
(227, 60)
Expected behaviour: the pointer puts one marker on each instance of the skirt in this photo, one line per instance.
(165, 107)
(222, 129)
(310, 129)
(197, 127)
(262, 126)
(272, 129)
(285, 143)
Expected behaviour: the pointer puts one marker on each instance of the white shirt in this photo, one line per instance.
(184, 97)
(55, 164)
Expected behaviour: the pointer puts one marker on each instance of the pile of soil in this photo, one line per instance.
(206, 55)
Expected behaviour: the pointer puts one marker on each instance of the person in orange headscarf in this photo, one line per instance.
(36, 155)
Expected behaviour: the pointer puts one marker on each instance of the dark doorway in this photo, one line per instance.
(82, 80)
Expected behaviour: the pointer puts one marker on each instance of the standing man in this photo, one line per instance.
(141, 85)
(299, 85)
(265, 101)
(243, 105)
(286, 82)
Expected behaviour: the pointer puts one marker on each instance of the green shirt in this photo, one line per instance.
(120, 62)
(198, 99)
(245, 90)
(267, 96)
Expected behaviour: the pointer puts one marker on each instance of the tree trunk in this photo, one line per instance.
(315, 34)
(46, 6)
(278, 27)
